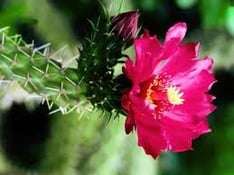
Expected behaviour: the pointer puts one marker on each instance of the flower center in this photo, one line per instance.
(161, 94)
(174, 95)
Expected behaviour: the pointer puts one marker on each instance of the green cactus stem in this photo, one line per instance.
(37, 71)
(101, 52)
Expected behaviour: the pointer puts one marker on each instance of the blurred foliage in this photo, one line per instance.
(67, 145)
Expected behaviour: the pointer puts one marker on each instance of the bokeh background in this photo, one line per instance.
(33, 142)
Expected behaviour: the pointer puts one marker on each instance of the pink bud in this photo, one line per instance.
(125, 24)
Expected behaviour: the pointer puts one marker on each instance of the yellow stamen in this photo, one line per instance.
(148, 96)
(174, 95)
(150, 91)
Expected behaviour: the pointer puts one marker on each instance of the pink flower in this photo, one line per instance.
(168, 102)
(125, 24)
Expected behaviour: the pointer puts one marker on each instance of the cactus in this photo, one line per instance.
(91, 84)
(101, 52)
(37, 71)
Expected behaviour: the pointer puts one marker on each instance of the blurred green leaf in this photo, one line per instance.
(230, 19)
(11, 13)
(185, 3)
(213, 13)
(147, 4)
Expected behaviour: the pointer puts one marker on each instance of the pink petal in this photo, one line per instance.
(129, 124)
(191, 111)
(182, 60)
(196, 82)
(196, 109)
(177, 31)
(179, 135)
(150, 135)
(126, 103)
(197, 104)
(148, 50)
(129, 69)
(173, 38)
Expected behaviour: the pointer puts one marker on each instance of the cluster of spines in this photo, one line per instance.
(37, 70)
(101, 52)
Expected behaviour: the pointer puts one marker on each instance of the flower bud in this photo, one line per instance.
(125, 25)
